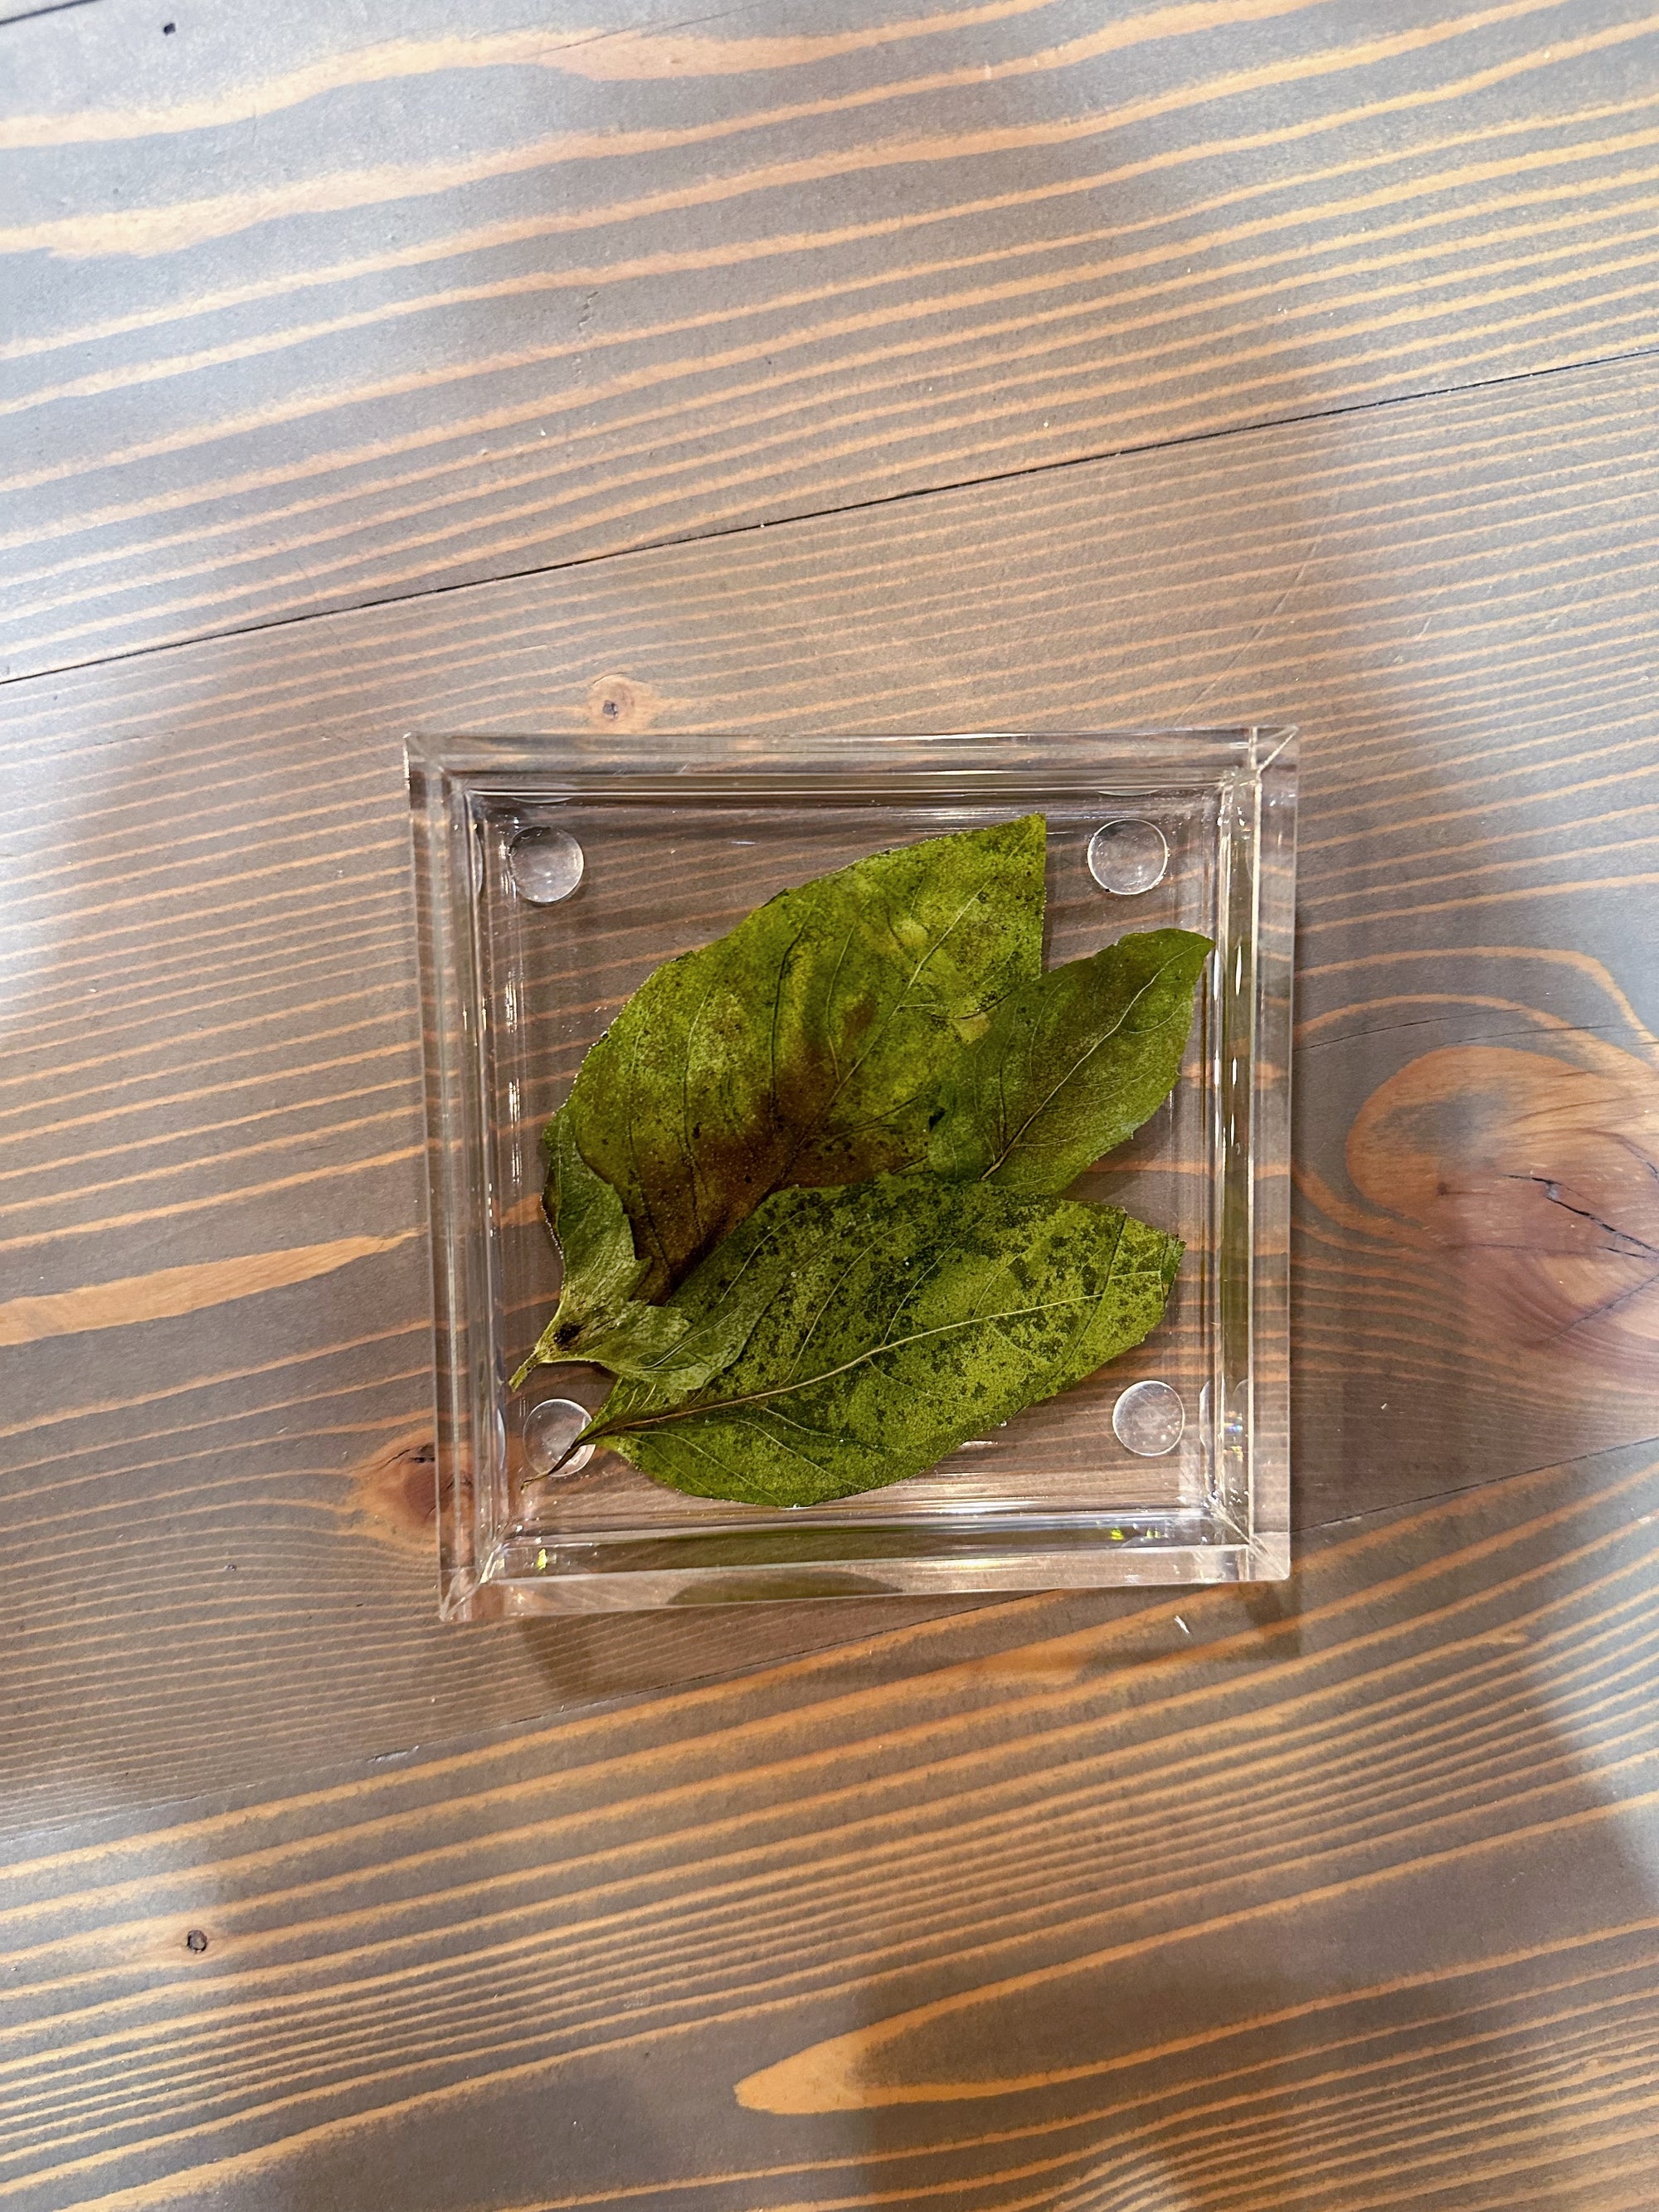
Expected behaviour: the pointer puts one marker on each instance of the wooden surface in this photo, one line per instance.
(320, 305)
(1347, 1900)
(1338, 1894)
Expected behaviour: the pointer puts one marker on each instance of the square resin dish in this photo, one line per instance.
(555, 873)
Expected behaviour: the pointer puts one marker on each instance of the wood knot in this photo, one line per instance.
(396, 1491)
(618, 703)
(1537, 1182)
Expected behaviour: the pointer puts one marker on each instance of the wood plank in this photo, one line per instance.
(1310, 1900)
(330, 306)
(212, 1033)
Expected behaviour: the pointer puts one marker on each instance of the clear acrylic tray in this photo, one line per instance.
(554, 875)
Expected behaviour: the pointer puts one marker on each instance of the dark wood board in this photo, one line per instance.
(215, 1292)
(1311, 1898)
(308, 307)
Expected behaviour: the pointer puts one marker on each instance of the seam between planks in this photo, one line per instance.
(826, 513)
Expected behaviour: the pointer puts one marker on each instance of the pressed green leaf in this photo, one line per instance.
(871, 1330)
(807, 1046)
(1070, 1065)
(598, 1318)
(602, 1269)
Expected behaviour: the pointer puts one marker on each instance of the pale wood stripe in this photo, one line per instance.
(134, 1299)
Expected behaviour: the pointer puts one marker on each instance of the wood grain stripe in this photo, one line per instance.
(169, 1292)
